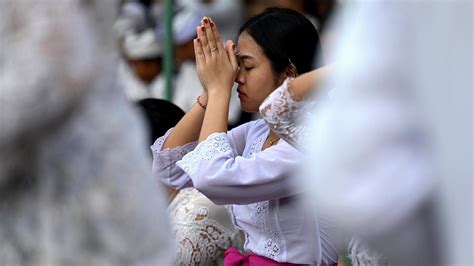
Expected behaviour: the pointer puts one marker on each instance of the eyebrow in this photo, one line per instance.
(245, 57)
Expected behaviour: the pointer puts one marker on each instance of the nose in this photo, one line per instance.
(239, 78)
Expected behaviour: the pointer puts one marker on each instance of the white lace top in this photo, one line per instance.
(282, 113)
(230, 168)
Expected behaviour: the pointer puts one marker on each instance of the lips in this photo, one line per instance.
(239, 91)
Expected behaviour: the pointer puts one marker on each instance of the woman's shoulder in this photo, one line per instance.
(256, 127)
(259, 123)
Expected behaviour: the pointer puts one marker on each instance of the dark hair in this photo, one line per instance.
(161, 115)
(284, 35)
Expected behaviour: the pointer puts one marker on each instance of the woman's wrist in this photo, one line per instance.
(203, 98)
(198, 101)
(218, 93)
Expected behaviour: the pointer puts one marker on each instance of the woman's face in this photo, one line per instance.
(255, 76)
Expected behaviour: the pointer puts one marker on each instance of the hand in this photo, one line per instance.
(216, 65)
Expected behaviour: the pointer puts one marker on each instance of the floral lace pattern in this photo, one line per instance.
(202, 229)
(271, 248)
(214, 145)
(281, 112)
(175, 154)
(256, 146)
(269, 244)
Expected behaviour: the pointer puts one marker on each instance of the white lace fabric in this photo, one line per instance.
(215, 145)
(172, 155)
(164, 160)
(268, 244)
(203, 230)
(281, 112)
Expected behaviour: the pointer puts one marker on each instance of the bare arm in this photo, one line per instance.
(188, 128)
(303, 85)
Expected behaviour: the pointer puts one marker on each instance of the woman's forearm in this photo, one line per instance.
(215, 119)
(188, 128)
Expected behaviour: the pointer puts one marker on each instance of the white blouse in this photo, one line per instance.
(230, 168)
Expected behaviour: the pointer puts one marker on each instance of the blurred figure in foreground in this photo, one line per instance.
(395, 141)
(75, 182)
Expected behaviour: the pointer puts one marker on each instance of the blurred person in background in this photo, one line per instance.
(301, 6)
(140, 73)
(75, 181)
(229, 15)
(134, 16)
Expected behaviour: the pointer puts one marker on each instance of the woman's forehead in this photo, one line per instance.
(247, 48)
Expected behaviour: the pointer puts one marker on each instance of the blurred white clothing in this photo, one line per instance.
(187, 86)
(142, 45)
(227, 14)
(401, 117)
(135, 89)
(131, 19)
(75, 178)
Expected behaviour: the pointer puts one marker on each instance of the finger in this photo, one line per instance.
(210, 36)
(198, 52)
(231, 54)
(217, 36)
(201, 32)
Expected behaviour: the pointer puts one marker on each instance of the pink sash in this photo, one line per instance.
(233, 257)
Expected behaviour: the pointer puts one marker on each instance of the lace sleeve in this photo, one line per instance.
(164, 162)
(214, 145)
(282, 113)
(228, 178)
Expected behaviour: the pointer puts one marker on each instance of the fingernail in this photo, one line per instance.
(233, 46)
(212, 24)
(203, 29)
(206, 20)
(197, 39)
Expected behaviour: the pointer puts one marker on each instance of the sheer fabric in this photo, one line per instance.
(203, 230)
(281, 112)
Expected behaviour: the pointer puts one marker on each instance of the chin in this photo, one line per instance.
(248, 109)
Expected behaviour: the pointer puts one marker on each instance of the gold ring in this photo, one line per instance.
(213, 49)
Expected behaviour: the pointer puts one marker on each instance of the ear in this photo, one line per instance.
(291, 71)
(280, 78)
